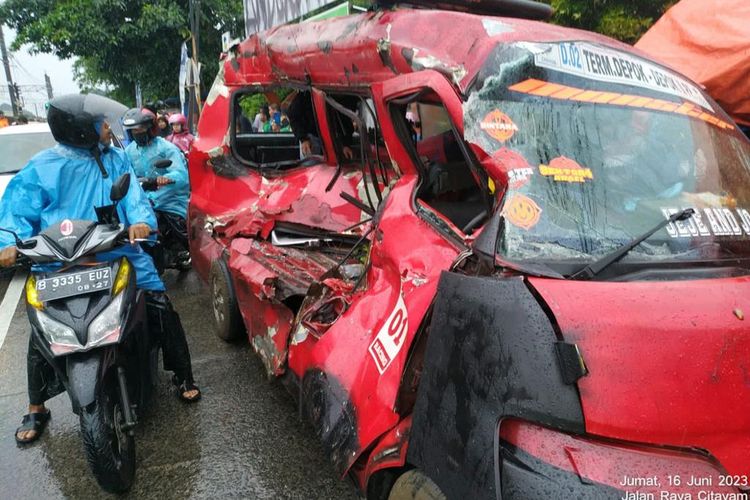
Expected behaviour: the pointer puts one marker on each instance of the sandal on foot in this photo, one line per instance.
(36, 422)
(187, 387)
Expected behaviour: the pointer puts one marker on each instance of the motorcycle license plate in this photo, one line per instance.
(68, 285)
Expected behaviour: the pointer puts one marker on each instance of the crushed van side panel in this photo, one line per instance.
(266, 277)
(366, 348)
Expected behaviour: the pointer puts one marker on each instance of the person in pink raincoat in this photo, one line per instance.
(180, 136)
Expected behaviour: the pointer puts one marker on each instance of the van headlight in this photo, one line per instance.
(107, 327)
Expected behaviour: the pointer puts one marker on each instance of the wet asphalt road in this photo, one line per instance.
(243, 440)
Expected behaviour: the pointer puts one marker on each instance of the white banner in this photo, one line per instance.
(138, 95)
(606, 65)
(261, 15)
(183, 77)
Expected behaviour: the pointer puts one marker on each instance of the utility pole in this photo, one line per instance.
(11, 88)
(195, 92)
(48, 82)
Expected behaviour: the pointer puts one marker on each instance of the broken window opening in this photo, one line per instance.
(263, 127)
(450, 183)
(357, 139)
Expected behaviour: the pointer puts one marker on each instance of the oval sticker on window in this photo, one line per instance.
(498, 125)
(522, 211)
(563, 169)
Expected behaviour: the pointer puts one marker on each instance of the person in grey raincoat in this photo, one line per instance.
(67, 182)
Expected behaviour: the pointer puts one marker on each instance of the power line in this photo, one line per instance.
(18, 64)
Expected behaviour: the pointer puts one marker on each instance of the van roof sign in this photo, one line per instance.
(608, 65)
(261, 15)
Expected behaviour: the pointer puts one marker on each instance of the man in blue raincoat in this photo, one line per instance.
(170, 199)
(145, 150)
(67, 182)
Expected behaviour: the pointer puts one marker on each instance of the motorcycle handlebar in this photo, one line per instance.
(24, 262)
(126, 240)
(151, 184)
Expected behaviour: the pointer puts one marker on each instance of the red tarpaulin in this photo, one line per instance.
(708, 41)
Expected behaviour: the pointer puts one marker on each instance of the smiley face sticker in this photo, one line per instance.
(498, 125)
(522, 211)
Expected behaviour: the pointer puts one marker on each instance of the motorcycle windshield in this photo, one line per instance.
(597, 146)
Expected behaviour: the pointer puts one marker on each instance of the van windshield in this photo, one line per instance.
(598, 153)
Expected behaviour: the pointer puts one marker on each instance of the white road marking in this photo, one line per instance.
(10, 302)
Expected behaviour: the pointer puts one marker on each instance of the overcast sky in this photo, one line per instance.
(28, 69)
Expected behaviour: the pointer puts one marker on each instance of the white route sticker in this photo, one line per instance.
(606, 65)
(707, 222)
(391, 337)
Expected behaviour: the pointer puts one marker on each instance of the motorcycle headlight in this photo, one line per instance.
(32, 296)
(106, 328)
(62, 339)
(122, 278)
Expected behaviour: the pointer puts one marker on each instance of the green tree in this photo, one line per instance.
(121, 42)
(626, 20)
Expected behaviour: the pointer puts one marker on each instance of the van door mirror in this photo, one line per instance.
(120, 188)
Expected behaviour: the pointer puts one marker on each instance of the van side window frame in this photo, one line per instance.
(233, 132)
(430, 214)
(372, 167)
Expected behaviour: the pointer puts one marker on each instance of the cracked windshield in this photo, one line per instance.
(599, 147)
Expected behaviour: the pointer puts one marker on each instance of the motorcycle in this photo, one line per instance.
(173, 251)
(89, 322)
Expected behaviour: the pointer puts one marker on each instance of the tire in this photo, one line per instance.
(415, 485)
(109, 451)
(227, 318)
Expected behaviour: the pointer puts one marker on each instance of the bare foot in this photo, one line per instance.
(191, 394)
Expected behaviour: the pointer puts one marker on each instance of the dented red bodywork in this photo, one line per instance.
(346, 342)
(636, 356)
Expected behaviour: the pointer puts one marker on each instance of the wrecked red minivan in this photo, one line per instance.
(516, 264)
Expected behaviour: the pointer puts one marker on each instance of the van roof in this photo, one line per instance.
(362, 49)
(30, 128)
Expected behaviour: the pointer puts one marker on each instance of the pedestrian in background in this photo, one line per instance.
(164, 128)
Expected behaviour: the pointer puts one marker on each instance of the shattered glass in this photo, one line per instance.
(583, 177)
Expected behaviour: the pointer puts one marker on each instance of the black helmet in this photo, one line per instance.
(135, 117)
(72, 119)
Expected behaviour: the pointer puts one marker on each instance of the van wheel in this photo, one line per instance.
(227, 318)
(415, 485)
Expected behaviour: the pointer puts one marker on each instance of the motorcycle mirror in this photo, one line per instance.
(162, 163)
(120, 188)
(26, 245)
(23, 245)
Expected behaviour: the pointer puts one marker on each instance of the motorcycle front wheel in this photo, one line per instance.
(110, 450)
